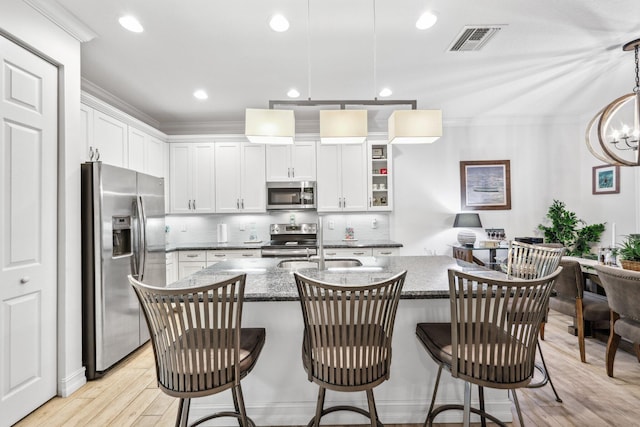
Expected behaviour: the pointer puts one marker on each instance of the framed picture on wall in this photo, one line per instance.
(485, 185)
(605, 179)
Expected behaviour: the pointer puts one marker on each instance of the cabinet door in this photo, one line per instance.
(303, 161)
(180, 177)
(347, 252)
(329, 180)
(136, 149)
(110, 138)
(354, 178)
(86, 129)
(278, 163)
(203, 181)
(187, 268)
(253, 194)
(154, 156)
(228, 176)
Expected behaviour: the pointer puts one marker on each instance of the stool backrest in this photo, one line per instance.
(494, 327)
(195, 334)
(349, 327)
(526, 261)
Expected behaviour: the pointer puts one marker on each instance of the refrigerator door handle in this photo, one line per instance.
(142, 237)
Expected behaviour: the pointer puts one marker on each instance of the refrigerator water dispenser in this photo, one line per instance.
(121, 226)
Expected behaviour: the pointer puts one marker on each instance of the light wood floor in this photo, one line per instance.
(128, 396)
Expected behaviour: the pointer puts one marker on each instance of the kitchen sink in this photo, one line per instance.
(296, 264)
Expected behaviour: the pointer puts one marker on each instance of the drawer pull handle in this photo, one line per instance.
(192, 255)
(25, 279)
(358, 253)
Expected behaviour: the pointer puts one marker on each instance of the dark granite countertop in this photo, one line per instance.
(426, 275)
(257, 245)
(213, 246)
(361, 244)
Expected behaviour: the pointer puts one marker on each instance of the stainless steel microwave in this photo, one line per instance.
(291, 195)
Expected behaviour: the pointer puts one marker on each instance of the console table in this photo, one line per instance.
(465, 253)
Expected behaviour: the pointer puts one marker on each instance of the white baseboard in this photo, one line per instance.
(73, 382)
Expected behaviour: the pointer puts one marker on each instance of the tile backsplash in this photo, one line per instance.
(184, 229)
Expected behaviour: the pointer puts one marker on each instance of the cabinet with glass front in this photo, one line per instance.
(380, 176)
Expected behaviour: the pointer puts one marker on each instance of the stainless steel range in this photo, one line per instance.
(292, 240)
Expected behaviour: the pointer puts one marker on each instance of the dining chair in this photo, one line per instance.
(570, 298)
(623, 295)
(198, 343)
(529, 261)
(347, 337)
(491, 338)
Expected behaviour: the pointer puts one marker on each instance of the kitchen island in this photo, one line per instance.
(277, 392)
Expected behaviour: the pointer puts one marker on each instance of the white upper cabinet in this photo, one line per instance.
(240, 177)
(110, 139)
(117, 139)
(192, 178)
(295, 162)
(342, 178)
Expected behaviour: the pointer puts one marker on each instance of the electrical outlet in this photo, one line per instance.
(243, 226)
(331, 224)
(184, 228)
(374, 223)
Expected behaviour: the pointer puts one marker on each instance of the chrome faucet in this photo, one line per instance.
(320, 238)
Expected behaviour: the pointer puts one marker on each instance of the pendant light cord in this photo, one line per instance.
(309, 49)
(375, 58)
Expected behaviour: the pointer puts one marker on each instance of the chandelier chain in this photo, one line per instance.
(637, 88)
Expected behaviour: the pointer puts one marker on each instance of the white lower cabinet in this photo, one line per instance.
(215, 256)
(359, 252)
(190, 262)
(347, 252)
(385, 251)
(172, 267)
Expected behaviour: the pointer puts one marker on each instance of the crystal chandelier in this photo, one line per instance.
(621, 120)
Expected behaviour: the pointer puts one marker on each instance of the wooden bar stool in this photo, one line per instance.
(199, 346)
(347, 338)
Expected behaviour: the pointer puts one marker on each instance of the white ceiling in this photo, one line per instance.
(553, 57)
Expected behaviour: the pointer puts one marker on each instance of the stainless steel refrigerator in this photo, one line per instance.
(123, 232)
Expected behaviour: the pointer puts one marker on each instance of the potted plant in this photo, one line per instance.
(629, 252)
(569, 230)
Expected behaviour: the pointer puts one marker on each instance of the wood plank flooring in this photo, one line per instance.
(128, 395)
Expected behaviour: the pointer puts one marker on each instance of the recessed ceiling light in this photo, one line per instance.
(385, 92)
(200, 94)
(426, 20)
(131, 23)
(293, 93)
(279, 23)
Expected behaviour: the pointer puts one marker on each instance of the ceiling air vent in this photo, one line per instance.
(473, 38)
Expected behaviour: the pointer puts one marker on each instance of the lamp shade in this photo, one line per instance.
(468, 220)
(415, 126)
(343, 126)
(269, 126)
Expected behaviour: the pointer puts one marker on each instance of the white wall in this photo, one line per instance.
(548, 161)
(21, 23)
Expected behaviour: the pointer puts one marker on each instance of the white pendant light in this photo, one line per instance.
(415, 126)
(343, 126)
(264, 126)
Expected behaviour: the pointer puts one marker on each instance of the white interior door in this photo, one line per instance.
(28, 147)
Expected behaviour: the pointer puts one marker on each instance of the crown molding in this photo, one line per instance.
(56, 13)
(102, 106)
(108, 98)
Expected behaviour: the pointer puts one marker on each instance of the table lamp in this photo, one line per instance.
(467, 220)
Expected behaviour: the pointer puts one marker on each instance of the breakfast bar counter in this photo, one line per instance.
(277, 392)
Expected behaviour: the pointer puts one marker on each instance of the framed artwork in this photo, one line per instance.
(485, 185)
(605, 179)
